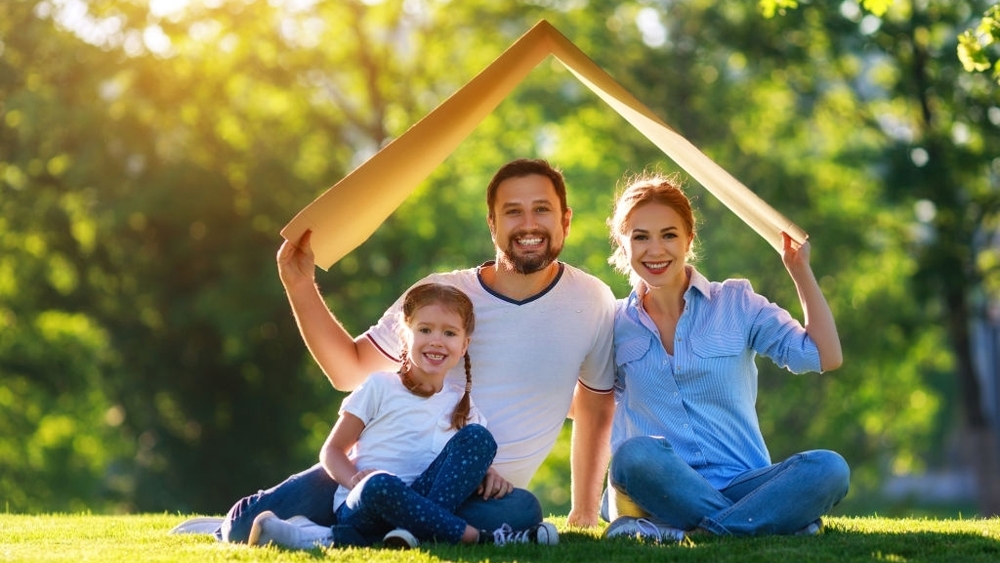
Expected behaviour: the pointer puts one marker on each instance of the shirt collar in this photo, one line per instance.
(697, 282)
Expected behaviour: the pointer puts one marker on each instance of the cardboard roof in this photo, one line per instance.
(345, 215)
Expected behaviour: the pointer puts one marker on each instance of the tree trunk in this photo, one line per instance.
(981, 439)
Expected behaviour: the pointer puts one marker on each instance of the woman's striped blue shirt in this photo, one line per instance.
(702, 398)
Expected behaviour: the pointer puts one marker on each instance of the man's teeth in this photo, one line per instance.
(530, 241)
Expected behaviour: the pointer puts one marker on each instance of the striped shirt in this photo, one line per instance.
(702, 398)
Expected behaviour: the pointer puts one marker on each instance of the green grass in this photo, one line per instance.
(129, 539)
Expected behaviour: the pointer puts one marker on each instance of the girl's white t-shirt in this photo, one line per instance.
(403, 432)
(527, 357)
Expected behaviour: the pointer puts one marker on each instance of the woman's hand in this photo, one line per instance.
(493, 485)
(819, 323)
(296, 262)
(794, 255)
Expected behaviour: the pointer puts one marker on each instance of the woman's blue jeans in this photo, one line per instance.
(310, 494)
(778, 499)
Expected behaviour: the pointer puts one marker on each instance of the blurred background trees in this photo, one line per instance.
(151, 151)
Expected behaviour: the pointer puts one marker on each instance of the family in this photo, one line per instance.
(460, 390)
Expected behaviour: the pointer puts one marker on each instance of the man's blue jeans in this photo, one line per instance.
(310, 493)
(782, 498)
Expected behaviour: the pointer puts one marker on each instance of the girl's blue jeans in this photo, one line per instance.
(426, 508)
(782, 498)
(310, 494)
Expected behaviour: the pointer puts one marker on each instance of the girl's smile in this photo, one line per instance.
(437, 343)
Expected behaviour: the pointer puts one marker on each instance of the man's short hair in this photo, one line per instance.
(526, 167)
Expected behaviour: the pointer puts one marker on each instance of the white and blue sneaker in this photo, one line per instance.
(544, 534)
(814, 528)
(643, 529)
(400, 539)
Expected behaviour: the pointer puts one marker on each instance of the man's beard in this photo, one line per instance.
(527, 264)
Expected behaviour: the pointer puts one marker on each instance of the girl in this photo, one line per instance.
(408, 448)
(687, 450)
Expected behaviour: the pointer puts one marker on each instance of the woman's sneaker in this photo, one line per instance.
(812, 529)
(400, 539)
(544, 534)
(643, 529)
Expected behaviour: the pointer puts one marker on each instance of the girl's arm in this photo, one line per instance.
(819, 321)
(333, 456)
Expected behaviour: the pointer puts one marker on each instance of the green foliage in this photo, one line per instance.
(977, 48)
(147, 355)
(59, 538)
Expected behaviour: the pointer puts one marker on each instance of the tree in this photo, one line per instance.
(941, 128)
(975, 46)
(148, 160)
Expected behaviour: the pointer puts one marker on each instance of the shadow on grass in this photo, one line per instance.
(834, 546)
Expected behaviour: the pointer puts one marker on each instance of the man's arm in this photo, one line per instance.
(590, 451)
(345, 361)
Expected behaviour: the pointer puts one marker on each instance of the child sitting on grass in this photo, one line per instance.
(408, 448)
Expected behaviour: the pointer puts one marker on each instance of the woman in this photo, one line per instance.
(687, 450)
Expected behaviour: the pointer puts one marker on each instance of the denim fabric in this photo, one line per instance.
(382, 501)
(518, 508)
(703, 397)
(782, 498)
(309, 493)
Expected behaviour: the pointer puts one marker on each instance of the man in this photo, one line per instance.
(542, 344)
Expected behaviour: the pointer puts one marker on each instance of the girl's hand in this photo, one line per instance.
(359, 476)
(493, 485)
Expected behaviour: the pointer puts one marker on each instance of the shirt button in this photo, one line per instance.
(685, 426)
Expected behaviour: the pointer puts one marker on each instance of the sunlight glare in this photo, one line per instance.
(652, 29)
(163, 8)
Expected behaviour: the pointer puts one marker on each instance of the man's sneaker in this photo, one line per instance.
(812, 529)
(544, 534)
(297, 533)
(643, 529)
(400, 539)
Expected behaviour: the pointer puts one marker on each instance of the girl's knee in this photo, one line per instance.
(478, 434)
(380, 485)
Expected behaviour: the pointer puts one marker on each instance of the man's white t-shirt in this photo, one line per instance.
(403, 432)
(527, 357)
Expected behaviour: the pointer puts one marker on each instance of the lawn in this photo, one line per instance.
(129, 539)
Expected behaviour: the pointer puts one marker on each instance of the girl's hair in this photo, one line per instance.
(456, 301)
(643, 189)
